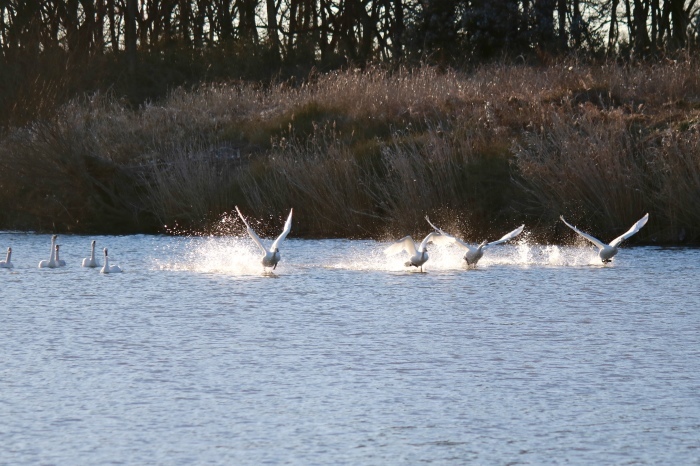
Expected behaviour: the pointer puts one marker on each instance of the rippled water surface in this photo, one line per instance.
(193, 356)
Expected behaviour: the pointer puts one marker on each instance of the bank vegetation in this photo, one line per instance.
(365, 153)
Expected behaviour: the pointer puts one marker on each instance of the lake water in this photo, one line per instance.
(192, 356)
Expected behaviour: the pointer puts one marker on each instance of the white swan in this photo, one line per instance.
(109, 268)
(270, 256)
(59, 262)
(51, 263)
(90, 261)
(607, 251)
(419, 255)
(7, 263)
(474, 253)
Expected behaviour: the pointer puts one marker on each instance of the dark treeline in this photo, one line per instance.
(52, 50)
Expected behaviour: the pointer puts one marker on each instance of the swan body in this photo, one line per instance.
(51, 263)
(474, 253)
(59, 262)
(109, 268)
(419, 255)
(90, 261)
(7, 263)
(607, 251)
(271, 256)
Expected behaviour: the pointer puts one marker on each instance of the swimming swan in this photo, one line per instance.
(474, 253)
(59, 262)
(7, 263)
(109, 268)
(607, 251)
(270, 256)
(419, 255)
(90, 261)
(51, 263)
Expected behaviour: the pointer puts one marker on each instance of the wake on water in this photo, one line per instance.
(238, 256)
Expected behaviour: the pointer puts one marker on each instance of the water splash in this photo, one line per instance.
(237, 255)
(229, 255)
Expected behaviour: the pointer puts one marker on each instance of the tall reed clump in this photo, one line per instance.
(385, 188)
(459, 175)
(603, 169)
(321, 177)
(590, 167)
(190, 185)
(62, 179)
(676, 178)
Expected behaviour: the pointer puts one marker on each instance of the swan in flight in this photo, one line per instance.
(109, 268)
(59, 262)
(90, 261)
(270, 256)
(7, 263)
(474, 253)
(51, 263)
(419, 255)
(607, 251)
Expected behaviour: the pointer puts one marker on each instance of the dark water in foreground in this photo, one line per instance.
(193, 357)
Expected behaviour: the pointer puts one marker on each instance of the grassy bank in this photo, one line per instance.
(364, 154)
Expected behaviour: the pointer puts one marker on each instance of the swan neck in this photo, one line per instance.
(9, 255)
(52, 257)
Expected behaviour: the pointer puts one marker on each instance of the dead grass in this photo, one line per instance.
(359, 153)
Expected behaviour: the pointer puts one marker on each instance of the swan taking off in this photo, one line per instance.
(474, 253)
(7, 263)
(607, 251)
(90, 261)
(51, 263)
(419, 255)
(59, 262)
(109, 268)
(270, 256)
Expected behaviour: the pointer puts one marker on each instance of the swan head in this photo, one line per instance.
(105, 251)
(93, 243)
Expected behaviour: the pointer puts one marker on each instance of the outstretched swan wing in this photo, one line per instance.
(434, 237)
(509, 236)
(251, 232)
(635, 228)
(599, 244)
(404, 244)
(285, 232)
(444, 238)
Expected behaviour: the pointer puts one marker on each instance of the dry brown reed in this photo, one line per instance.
(363, 152)
(590, 167)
